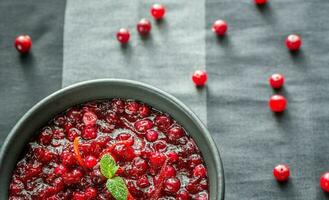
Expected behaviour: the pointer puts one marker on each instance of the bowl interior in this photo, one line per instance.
(41, 113)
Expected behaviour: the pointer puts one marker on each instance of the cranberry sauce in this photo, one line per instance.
(157, 159)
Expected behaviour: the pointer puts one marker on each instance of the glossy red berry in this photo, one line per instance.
(281, 172)
(158, 11)
(293, 42)
(260, 2)
(123, 35)
(90, 161)
(144, 26)
(277, 103)
(151, 135)
(89, 119)
(219, 27)
(276, 81)
(200, 78)
(172, 185)
(23, 43)
(324, 181)
(200, 171)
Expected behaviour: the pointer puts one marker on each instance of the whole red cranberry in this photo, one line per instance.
(277, 103)
(23, 43)
(163, 122)
(89, 133)
(144, 26)
(60, 170)
(219, 27)
(151, 135)
(172, 157)
(200, 77)
(175, 133)
(123, 35)
(170, 171)
(45, 136)
(158, 11)
(157, 159)
(144, 111)
(324, 182)
(91, 193)
(293, 42)
(183, 195)
(276, 81)
(200, 171)
(281, 172)
(260, 2)
(143, 182)
(90, 161)
(143, 125)
(172, 185)
(89, 118)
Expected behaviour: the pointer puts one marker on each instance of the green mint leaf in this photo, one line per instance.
(117, 188)
(108, 166)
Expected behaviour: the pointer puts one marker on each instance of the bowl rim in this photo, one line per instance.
(218, 161)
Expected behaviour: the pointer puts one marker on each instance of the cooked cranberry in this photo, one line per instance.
(23, 43)
(68, 159)
(90, 161)
(172, 157)
(43, 155)
(143, 125)
(163, 122)
(60, 170)
(219, 27)
(324, 182)
(281, 172)
(201, 196)
(91, 193)
(200, 171)
(45, 136)
(260, 2)
(172, 185)
(276, 80)
(194, 160)
(183, 195)
(72, 177)
(175, 132)
(200, 78)
(293, 42)
(89, 119)
(170, 171)
(74, 114)
(157, 159)
(118, 106)
(160, 145)
(79, 196)
(151, 135)
(132, 107)
(277, 103)
(144, 26)
(144, 111)
(158, 11)
(123, 35)
(125, 152)
(143, 182)
(139, 166)
(89, 133)
(72, 134)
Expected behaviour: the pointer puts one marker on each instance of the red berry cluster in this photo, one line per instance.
(144, 25)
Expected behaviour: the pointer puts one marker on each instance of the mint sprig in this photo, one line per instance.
(115, 184)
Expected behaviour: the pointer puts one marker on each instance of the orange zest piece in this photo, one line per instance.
(77, 152)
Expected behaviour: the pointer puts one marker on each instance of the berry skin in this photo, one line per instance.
(89, 119)
(158, 11)
(219, 27)
(23, 43)
(200, 171)
(200, 78)
(293, 42)
(276, 81)
(90, 161)
(260, 2)
(281, 172)
(324, 182)
(144, 26)
(151, 135)
(123, 35)
(277, 103)
(172, 185)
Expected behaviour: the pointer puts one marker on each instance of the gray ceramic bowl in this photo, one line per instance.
(42, 112)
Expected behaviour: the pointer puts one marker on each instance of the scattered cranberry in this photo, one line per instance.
(157, 159)
(293, 42)
(23, 43)
(91, 193)
(143, 125)
(144, 26)
(172, 157)
(324, 181)
(90, 161)
(276, 81)
(143, 182)
(60, 170)
(200, 78)
(200, 171)
(281, 172)
(260, 2)
(158, 11)
(89, 119)
(175, 132)
(151, 135)
(219, 27)
(89, 133)
(170, 171)
(183, 195)
(123, 35)
(172, 185)
(277, 103)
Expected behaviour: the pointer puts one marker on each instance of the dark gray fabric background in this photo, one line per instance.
(251, 139)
